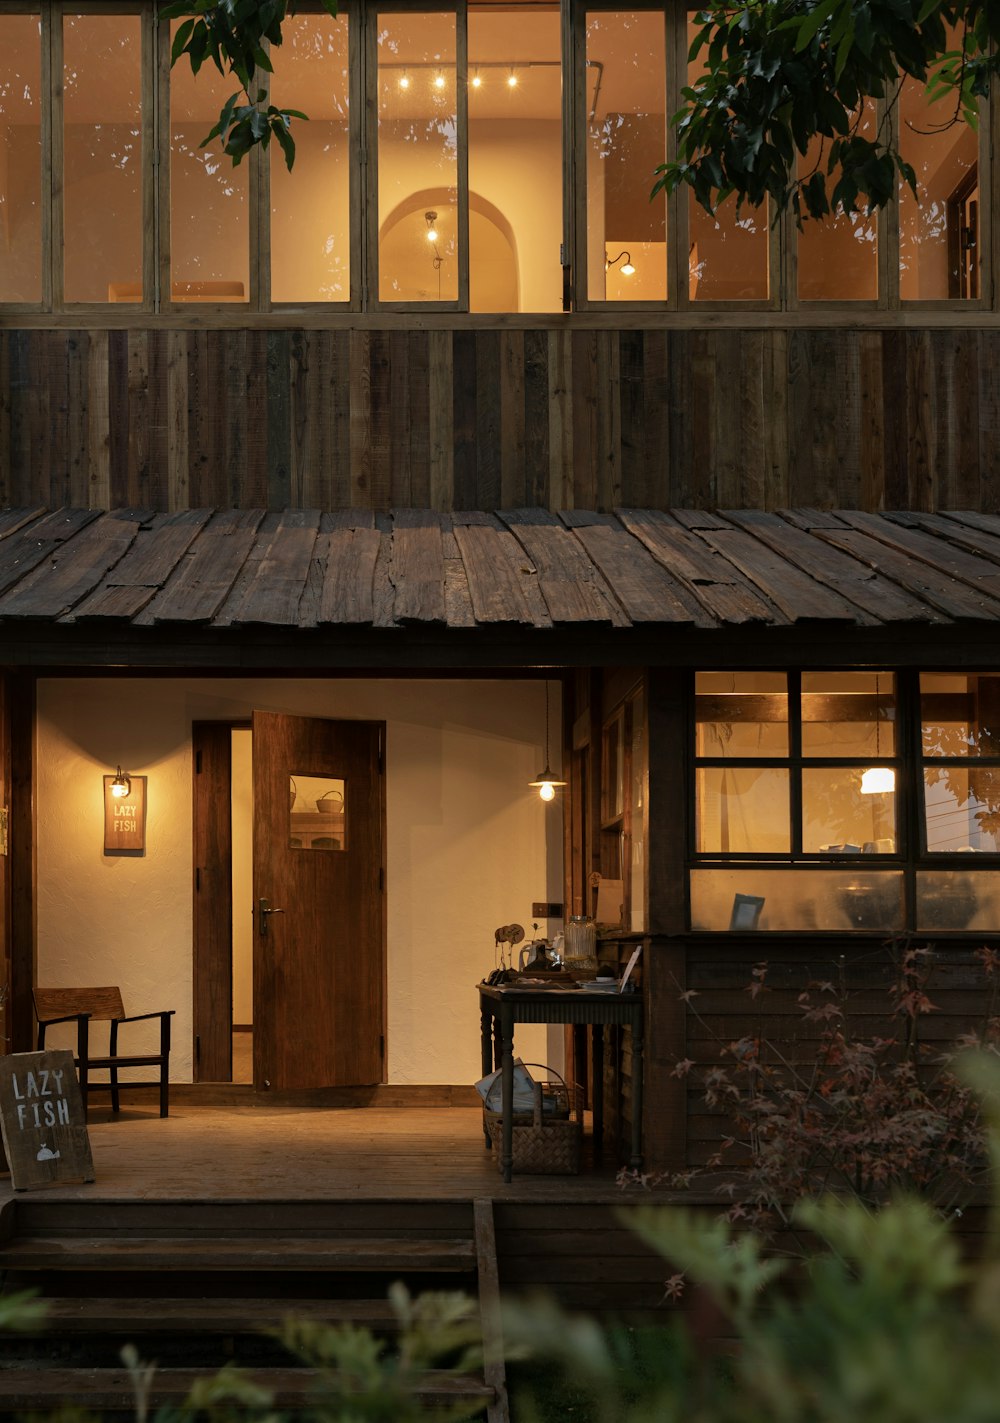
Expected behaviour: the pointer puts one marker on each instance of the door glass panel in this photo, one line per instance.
(849, 714)
(310, 207)
(742, 810)
(837, 255)
(21, 157)
(838, 817)
(727, 253)
(209, 224)
(741, 714)
(625, 81)
(316, 817)
(515, 158)
(939, 230)
(102, 142)
(417, 158)
(960, 714)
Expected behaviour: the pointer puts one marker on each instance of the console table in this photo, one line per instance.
(500, 1008)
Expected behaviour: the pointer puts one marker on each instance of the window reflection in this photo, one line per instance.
(417, 158)
(741, 714)
(317, 812)
(742, 810)
(849, 714)
(103, 157)
(804, 899)
(21, 150)
(960, 714)
(837, 256)
(310, 207)
(626, 141)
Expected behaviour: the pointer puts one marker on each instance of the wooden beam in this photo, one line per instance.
(21, 704)
(212, 906)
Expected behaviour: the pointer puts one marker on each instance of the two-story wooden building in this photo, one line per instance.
(447, 452)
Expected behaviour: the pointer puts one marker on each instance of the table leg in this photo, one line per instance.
(486, 1047)
(598, 1106)
(637, 1055)
(507, 1081)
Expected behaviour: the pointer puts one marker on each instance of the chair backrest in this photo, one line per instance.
(102, 1004)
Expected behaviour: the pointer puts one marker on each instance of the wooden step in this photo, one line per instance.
(128, 1317)
(236, 1253)
(111, 1390)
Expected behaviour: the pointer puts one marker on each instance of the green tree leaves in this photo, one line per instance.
(234, 35)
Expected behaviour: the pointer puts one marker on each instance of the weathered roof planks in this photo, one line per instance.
(524, 568)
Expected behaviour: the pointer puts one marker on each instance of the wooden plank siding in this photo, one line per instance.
(451, 419)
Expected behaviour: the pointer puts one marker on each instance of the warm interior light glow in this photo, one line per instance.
(404, 80)
(512, 80)
(878, 780)
(121, 785)
(432, 233)
(628, 269)
(439, 81)
(477, 80)
(547, 790)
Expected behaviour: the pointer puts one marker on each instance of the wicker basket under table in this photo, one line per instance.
(543, 1143)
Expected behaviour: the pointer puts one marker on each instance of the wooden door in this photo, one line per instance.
(319, 936)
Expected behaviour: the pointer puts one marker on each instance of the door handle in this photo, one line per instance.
(265, 912)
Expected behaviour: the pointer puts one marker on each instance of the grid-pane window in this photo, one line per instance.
(21, 157)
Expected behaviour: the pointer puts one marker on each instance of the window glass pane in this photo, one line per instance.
(839, 714)
(798, 899)
(838, 817)
(310, 207)
(742, 810)
(102, 158)
(962, 808)
(21, 158)
(837, 256)
(515, 158)
(316, 817)
(960, 714)
(958, 899)
(209, 224)
(939, 233)
(417, 158)
(727, 253)
(741, 714)
(626, 141)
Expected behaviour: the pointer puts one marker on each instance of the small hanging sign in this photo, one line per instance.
(125, 818)
(42, 1120)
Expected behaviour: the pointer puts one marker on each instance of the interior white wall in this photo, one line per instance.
(469, 845)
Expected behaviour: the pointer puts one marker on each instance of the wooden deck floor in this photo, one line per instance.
(309, 1153)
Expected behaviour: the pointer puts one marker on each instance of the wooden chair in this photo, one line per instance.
(83, 1005)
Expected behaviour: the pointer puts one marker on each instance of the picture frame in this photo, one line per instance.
(746, 911)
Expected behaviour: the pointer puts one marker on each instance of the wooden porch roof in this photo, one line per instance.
(526, 569)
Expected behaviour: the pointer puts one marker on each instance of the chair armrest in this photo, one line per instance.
(82, 1021)
(141, 1017)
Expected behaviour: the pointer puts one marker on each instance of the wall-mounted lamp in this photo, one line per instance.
(120, 785)
(432, 233)
(878, 780)
(546, 781)
(626, 269)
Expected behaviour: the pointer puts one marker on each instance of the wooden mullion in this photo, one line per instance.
(368, 163)
(162, 195)
(676, 80)
(259, 198)
(573, 36)
(462, 113)
(673, 37)
(150, 153)
(359, 156)
(21, 694)
(52, 85)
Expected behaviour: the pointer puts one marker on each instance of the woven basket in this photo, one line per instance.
(543, 1143)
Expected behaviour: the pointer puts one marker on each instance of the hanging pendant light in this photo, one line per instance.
(878, 780)
(546, 781)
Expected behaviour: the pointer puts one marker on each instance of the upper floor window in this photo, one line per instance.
(465, 155)
(846, 800)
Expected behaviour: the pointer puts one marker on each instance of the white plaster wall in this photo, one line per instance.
(469, 846)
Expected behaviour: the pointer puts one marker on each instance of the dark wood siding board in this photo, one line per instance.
(6, 403)
(361, 419)
(496, 589)
(398, 416)
(79, 566)
(585, 396)
(871, 421)
(276, 592)
(489, 421)
(513, 472)
(338, 394)
(964, 485)
(77, 358)
(987, 495)
(936, 589)
(379, 438)
(713, 584)
(898, 420)
(608, 491)
(642, 586)
(700, 417)
(756, 391)
(137, 477)
(569, 584)
(350, 571)
(536, 418)
(156, 492)
(855, 582)
(196, 591)
(727, 435)
(679, 456)
(656, 473)
(560, 488)
(923, 423)
(464, 418)
(633, 410)
(57, 384)
(417, 566)
(803, 430)
(979, 573)
(255, 491)
(419, 451)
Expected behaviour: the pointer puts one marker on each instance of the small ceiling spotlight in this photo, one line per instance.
(439, 80)
(477, 80)
(626, 269)
(512, 80)
(432, 233)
